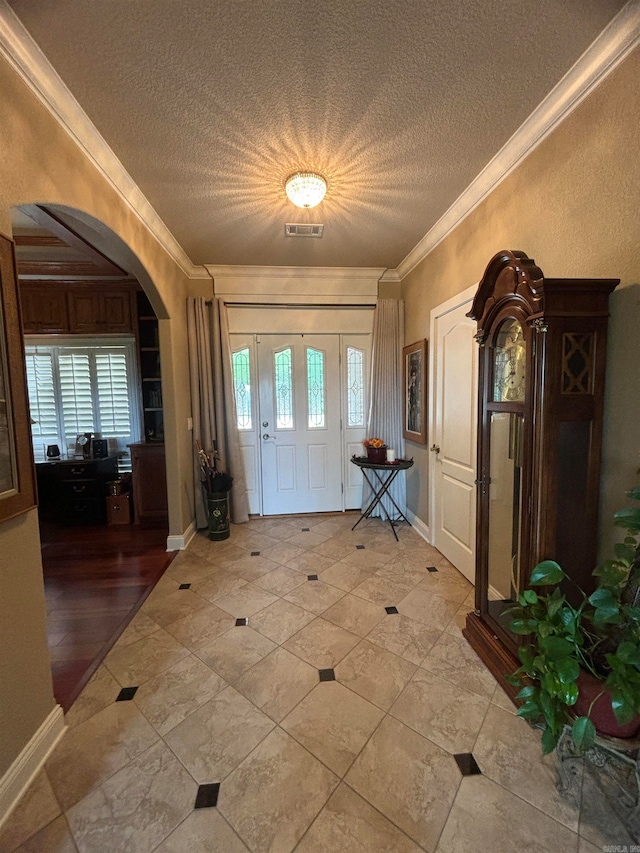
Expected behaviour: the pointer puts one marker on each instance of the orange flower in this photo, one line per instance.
(373, 442)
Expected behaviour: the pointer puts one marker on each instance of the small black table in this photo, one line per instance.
(385, 473)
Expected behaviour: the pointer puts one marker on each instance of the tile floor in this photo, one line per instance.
(303, 687)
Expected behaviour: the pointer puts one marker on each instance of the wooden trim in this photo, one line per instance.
(39, 240)
(23, 497)
(491, 651)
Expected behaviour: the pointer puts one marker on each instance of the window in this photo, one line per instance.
(355, 387)
(315, 388)
(284, 389)
(242, 387)
(80, 387)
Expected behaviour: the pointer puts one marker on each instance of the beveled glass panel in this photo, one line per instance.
(315, 389)
(509, 363)
(505, 510)
(242, 387)
(283, 371)
(355, 387)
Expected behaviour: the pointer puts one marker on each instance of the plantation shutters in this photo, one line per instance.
(77, 389)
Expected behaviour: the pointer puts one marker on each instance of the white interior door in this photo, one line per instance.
(356, 364)
(245, 380)
(454, 443)
(300, 436)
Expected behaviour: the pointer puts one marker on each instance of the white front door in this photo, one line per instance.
(454, 418)
(299, 423)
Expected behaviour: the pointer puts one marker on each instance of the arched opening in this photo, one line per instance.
(91, 316)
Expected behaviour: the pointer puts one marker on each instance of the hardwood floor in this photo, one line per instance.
(95, 580)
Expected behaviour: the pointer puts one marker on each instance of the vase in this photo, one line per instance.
(218, 511)
(602, 715)
(377, 455)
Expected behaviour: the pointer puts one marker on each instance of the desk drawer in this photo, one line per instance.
(79, 470)
(82, 511)
(74, 489)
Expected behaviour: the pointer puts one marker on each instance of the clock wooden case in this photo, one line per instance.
(541, 386)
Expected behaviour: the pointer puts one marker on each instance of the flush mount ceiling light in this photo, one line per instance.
(305, 189)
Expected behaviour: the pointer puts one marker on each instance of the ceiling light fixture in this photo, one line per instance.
(305, 189)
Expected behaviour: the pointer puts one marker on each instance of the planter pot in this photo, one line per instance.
(378, 455)
(218, 510)
(602, 715)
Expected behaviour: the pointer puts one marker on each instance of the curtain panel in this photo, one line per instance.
(213, 402)
(387, 396)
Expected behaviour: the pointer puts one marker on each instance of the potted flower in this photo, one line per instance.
(216, 485)
(376, 450)
(581, 665)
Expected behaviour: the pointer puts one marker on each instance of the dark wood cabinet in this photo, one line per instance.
(97, 309)
(44, 308)
(541, 390)
(78, 308)
(149, 483)
(73, 491)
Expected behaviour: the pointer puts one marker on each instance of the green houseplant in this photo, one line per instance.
(576, 660)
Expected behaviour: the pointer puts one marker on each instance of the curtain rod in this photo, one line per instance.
(332, 306)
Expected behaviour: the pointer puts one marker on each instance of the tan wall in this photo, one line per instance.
(574, 206)
(40, 163)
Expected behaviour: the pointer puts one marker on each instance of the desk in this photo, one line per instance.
(72, 491)
(384, 473)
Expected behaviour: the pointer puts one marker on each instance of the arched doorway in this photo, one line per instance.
(92, 349)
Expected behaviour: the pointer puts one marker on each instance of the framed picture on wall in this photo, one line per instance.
(17, 482)
(415, 392)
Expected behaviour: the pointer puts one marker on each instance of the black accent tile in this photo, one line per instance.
(185, 586)
(431, 569)
(207, 796)
(312, 577)
(391, 610)
(360, 547)
(305, 529)
(467, 764)
(255, 553)
(126, 694)
(327, 675)
(243, 621)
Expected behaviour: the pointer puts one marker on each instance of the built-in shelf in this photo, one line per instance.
(149, 352)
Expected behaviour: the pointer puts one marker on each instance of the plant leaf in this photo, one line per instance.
(568, 671)
(583, 732)
(529, 711)
(523, 626)
(549, 741)
(530, 596)
(527, 692)
(545, 573)
(556, 648)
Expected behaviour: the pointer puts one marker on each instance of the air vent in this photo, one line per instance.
(293, 230)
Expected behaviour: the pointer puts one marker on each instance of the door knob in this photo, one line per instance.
(435, 448)
(266, 435)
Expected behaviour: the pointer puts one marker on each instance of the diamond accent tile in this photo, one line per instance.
(431, 569)
(185, 586)
(207, 796)
(255, 553)
(312, 577)
(467, 764)
(391, 610)
(126, 694)
(360, 547)
(327, 675)
(242, 621)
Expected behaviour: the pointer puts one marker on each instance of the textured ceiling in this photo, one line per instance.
(211, 105)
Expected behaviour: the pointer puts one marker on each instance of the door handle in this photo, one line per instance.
(266, 436)
(435, 448)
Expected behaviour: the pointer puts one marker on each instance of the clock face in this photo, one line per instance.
(509, 363)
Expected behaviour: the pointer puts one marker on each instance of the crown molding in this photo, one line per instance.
(342, 273)
(608, 50)
(28, 61)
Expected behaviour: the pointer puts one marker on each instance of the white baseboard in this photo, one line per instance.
(419, 526)
(179, 543)
(30, 761)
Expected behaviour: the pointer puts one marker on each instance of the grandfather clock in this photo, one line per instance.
(541, 387)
